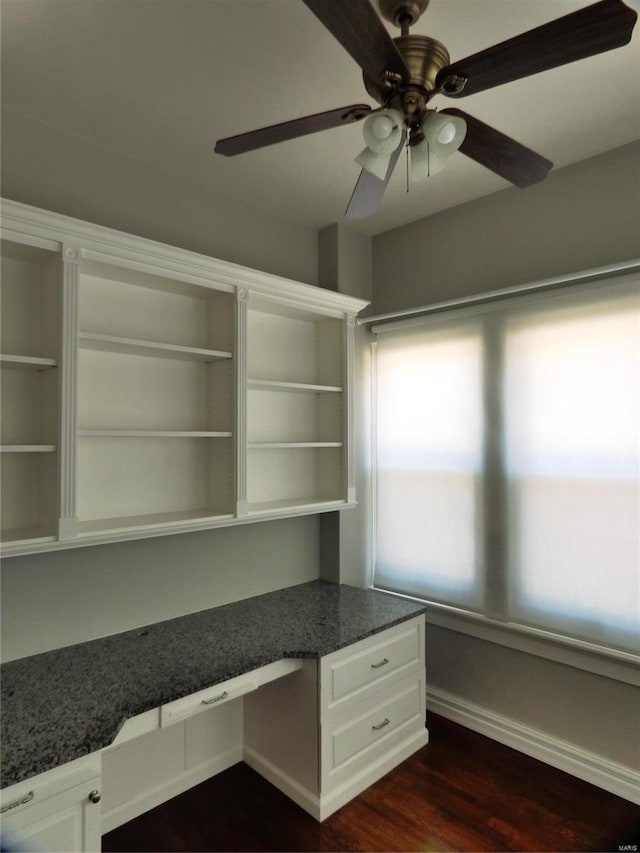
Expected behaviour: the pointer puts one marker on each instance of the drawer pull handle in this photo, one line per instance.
(215, 699)
(381, 725)
(383, 662)
(26, 799)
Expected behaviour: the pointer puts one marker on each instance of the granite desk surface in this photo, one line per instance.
(63, 704)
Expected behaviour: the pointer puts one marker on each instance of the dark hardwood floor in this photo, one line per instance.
(461, 792)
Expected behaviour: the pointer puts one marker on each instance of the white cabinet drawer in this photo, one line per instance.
(225, 691)
(373, 663)
(374, 724)
(203, 700)
(372, 731)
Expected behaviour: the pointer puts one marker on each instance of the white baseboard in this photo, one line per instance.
(306, 799)
(613, 777)
(149, 799)
(320, 807)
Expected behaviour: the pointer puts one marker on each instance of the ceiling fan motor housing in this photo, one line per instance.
(425, 58)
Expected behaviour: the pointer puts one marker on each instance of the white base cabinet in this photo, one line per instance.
(324, 746)
(58, 811)
(150, 390)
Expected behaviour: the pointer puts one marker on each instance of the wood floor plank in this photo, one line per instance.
(462, 792)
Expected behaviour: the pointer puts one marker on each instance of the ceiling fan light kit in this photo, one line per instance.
(403, 74)
(442, 136)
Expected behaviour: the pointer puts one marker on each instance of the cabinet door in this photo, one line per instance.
(68, 822)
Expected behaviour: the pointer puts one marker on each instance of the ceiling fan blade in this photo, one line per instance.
(595, 29)
(362, 34)
(503, 155)
(369, 189)
(233, 145)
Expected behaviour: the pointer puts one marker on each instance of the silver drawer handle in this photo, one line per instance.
(383, 662)
(215, 699)
(25, 799)
(381, 725)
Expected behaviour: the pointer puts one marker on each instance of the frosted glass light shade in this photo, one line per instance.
(382, 134)
(443, 134)
(382, 131)
(377, 164)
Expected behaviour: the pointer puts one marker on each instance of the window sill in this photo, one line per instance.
(610, 663)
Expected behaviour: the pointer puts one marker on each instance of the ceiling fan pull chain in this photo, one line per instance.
(406, 148)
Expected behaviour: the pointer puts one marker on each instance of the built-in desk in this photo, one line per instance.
(319, 687)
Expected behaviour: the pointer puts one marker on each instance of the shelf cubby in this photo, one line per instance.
(295, 406)
(29, 381)
(155, 400)
(293, 475)
(127, 308)
(28, 492)
(152, 477)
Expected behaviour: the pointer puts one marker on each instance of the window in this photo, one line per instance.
(508, 461)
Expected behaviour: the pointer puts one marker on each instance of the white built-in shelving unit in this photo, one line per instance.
(149, 390)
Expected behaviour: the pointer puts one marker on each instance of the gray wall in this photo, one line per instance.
(50, 168)
(583, 216)
(344, 264)
(52, 600)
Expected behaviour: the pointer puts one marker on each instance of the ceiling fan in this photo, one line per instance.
(404, 73)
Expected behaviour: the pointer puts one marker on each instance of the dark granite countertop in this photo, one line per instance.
(63, 704)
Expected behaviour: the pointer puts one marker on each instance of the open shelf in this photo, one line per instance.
(295, 407)
(121, 476)
(111, 343)
(161, 519)
(155, 399)
(28, 493)
(31, 314)
(274, 385)
(294, 473)
(288, 445)
(311, 503)
(30, 299)
(121, 393)
(26, 535)
(122, 307)
(27, 448)
(294, 349)
(148, 433)
(306, 417)
(24, 362)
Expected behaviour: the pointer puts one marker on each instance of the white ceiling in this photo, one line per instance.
(162, 80)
